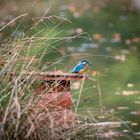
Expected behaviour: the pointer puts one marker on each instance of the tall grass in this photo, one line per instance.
(19, 115)
(18, 120)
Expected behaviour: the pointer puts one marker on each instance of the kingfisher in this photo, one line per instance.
(81, 67)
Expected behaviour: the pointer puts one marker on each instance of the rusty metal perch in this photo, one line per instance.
(54, 95)
(52, 76)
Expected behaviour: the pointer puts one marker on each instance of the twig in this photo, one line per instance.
(79, 97)
(100, 97)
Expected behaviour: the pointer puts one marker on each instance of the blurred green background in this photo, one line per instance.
(110, 39)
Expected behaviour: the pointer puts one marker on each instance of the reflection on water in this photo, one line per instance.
(83, 47)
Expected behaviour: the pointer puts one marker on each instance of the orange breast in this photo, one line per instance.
(86, 66)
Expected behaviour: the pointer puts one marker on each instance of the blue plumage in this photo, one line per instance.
(80, 67)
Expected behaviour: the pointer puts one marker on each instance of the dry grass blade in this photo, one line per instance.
(100, 97)
(79, 96)
(51, 19)
(23, 15)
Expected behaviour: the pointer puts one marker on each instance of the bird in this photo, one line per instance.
(81, 67)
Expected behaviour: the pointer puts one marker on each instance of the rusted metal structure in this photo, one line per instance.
(54, 104)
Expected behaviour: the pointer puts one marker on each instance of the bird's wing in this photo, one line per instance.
(78, 67)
